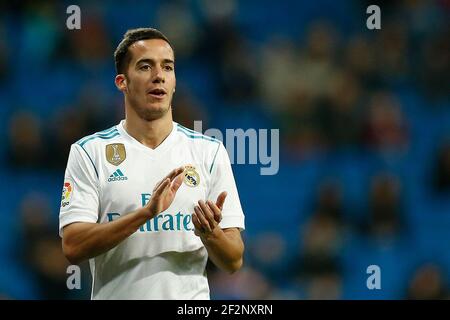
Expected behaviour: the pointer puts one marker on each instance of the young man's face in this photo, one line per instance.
(150, 78)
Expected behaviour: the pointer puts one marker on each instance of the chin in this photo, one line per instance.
(153, 111)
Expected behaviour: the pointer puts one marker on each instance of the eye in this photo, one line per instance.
(145, 67)
(168, 68)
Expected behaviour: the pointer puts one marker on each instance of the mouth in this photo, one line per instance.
(158, 93)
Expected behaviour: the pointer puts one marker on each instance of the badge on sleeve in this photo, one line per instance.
(115, 153)
(191, 177)
(66, 193)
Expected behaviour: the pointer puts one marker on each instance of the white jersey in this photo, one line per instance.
(110, 174)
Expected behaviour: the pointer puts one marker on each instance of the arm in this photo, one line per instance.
(225, 246)
(83, 240)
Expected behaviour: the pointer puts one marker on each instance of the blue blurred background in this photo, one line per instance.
(364, 119)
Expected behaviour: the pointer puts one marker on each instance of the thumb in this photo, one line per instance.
(177, 182)
(221, 199)
(161, 188)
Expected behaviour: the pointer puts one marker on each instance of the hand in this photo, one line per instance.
(208, 215)
(164, 192)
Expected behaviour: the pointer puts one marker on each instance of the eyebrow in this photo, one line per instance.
(152, 61)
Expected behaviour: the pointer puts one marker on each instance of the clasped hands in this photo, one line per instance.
(206, 216)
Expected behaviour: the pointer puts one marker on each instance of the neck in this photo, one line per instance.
(150, 133)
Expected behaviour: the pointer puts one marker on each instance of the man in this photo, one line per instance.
(148, 200)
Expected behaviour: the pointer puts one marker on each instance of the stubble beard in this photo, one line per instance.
(149, 113)
(145, 113)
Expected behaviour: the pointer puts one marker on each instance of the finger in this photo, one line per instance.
(196, 223)
(177, 182)
(174, 173)
(215, 210)
(161, 188)
(201, 218)
(197, 226)
(208, 214)
(157, 185)
(221, 200)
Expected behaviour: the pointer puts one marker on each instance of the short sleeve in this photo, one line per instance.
(80, 196)
(222, 179)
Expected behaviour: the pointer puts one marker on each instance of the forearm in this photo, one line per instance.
(225, 249)
(86, 240)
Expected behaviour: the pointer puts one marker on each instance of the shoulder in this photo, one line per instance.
(196, 137)
(94, 139)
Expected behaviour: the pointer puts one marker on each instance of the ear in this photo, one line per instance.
(121, 82)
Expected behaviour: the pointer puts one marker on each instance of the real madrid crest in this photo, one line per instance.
(191, 177)
(115, 153)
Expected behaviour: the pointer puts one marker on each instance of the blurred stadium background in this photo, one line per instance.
(364, 119)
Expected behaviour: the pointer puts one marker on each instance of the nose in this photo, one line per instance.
(158, 76)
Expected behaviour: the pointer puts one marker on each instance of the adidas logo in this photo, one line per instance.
(117, 176)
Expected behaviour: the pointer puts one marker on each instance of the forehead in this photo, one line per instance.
(156, 49)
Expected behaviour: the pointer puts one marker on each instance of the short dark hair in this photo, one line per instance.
(122, 57)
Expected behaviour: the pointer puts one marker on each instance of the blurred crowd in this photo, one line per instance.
(330, 85)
